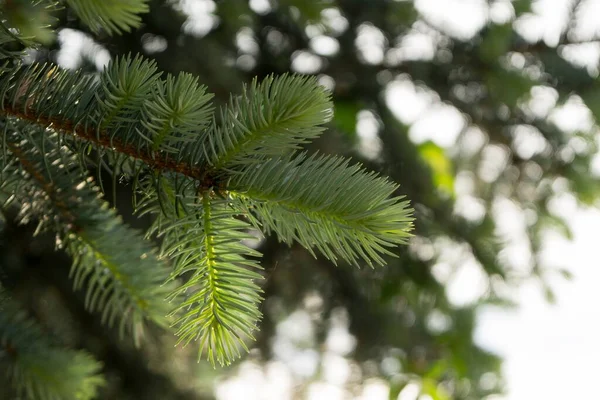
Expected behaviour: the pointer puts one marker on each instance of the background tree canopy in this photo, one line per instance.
(461, 103)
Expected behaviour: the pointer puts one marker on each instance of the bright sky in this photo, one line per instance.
(551, 352)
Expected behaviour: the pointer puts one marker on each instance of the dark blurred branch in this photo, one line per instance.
(31, 272)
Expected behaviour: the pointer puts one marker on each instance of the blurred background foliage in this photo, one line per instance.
(485, 119)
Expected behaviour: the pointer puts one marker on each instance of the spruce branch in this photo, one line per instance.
(179, 111)
(201, 177)
(114, 16)
(30, 21)
(11, 44)
(323, 202)
(270, 118)
(123, 279)
(202, 236)
(40, 369)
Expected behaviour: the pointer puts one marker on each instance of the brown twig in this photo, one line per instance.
(204, 176)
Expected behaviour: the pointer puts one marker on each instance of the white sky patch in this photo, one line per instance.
(493, 162)
(336, 369)
(367, 129)
(339, 340)
(407, 101)
(410, 392)
(438, 322)
(511, 227)
(75, 46)
(420, 107)
(582, 55)
(467, 284)
(421, 247)
(323, 390)
(470, 207)
(324, 45)
(260, 6)
(543, 100)
(457, 269)
(154, 43)
(375, 389)
(246, 42)
(274, 382)
(472, 141)
(587, 26)
(573, 116)
(327, 82)
(200, 16)
(306, 62)
(420, 43)
(543, 343)
(501, 11)
(442, 272)
(548, 20)
(563, 205)
(528, 141)
(459, 18)
(370, 43)
(334, 20)
(464, 183)
(441, 124)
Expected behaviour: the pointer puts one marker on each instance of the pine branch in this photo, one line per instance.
(179, 111)
(114, 16)
(31, 21)
(40, 369)
(218, 301)
(272, 118)
(11, 44)
(325, 203)
(196, 176)
(123, 278)
(74, 105)
(269, 119)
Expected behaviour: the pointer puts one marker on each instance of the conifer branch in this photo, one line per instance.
(270, 118)
(114, 16)
(342, 210)
(218, 299)
(200, 178)
(123, 278)
(40, 369)
(102, 139)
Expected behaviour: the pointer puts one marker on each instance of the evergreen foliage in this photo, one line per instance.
(39, 368)
(205, 178)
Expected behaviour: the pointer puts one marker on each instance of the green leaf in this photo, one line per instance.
(441, 166)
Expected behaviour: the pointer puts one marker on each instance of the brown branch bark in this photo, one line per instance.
(204, 176)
